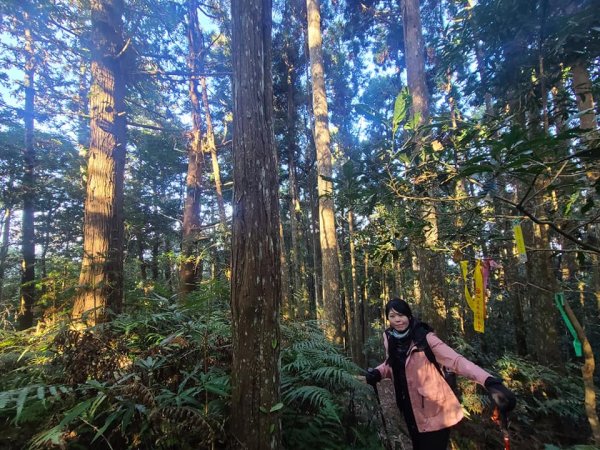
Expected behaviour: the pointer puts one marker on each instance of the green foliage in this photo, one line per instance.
(159, 379)
(134, 383)
(321, 393)
(549, 401)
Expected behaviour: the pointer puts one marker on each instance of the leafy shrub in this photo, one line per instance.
(159, 379)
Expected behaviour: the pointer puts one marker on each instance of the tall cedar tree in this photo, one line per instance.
(256, 274)
(332, 311)
(101, 278)
(191, 269)
(431, 264)
(27, 300)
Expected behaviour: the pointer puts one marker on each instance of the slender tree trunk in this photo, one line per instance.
(299, 283)
(256, 272)
(168, 265)
(316, 249)
(432, 265)
(356, 307)
(582, 86)
(212, 149)
(332, 316)
(366, 305)
(190, 272)
(286, 295)
(348, 313)
(154, 263)
(43, 271)
(101, 278)
(4, 247)
(27, 295)
(587, 372)
(140, 255)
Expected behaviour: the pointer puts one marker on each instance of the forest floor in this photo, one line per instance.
(397, 433)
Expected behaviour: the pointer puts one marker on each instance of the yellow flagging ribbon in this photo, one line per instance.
(477, 303)
(479, 310)
(464, 267)
(521, 251)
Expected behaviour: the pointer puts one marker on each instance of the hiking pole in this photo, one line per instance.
(387, 443)
(501, 419)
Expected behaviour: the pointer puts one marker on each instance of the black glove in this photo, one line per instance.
(502, 397)
(373, 376)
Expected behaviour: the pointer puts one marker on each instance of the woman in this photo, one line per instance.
(423, 396)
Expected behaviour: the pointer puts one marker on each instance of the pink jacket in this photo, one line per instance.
(434, 404)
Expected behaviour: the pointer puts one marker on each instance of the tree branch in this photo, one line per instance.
(552, 225)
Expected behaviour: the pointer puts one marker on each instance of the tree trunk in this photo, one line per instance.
(4, 247)
(212, 149)
(299, 282)
(414, 50)
(140, 254)
(332, 317)
(356, 330)
(101, 278)
(431, 264)
(286, 295)
(27, 295)
(256, 272)
(168, 264)
(582, 86)
(317, 305)
(347, 307)
(587, 372)
(190, 271)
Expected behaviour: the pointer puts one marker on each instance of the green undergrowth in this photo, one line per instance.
(549, 413)
(159, 378)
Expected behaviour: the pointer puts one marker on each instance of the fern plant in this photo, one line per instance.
(326, 404)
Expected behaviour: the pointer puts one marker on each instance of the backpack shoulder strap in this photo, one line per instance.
(420, 338)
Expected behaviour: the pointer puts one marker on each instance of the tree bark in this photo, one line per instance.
(332, 316)
(286, 288)
(582, 85)
(212, 149)
(101, 278)
(4, 246)
(356, 330)
(256, 272)
(190, 272)
(27, 294)
(431, 264)
(348, 324)
(299, 288)
(587, 372)
(140, 254)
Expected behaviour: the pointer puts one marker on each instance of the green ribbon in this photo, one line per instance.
(559, 298)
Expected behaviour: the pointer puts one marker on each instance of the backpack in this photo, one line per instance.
(420, 339)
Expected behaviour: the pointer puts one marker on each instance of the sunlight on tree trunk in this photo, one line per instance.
(332, 317)
(255, 264)
(27, 295)
(432, 273)
(4, 245)
(211, 148)
(286, 295)
(587, 372)
(101, 278)
(191, 263)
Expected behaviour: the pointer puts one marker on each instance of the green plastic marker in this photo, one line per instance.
(559, 298)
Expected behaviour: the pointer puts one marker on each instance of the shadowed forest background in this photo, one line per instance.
(205, 205)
